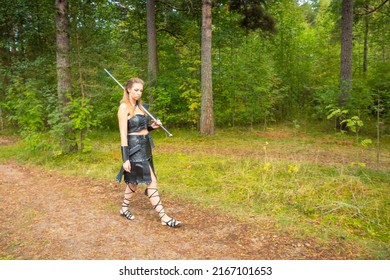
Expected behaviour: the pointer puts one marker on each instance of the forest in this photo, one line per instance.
(279, 110)
(270, 62)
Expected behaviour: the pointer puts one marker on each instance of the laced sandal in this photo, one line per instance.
(127, 214)
(172, 223)
(126, 203)
(161, 213)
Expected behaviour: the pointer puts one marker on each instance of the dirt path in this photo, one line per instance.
(44, 215)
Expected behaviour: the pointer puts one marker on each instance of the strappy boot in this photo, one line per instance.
(126, 203)
(160, 209)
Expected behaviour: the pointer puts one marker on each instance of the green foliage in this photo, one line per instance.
(26, 107)
(258, 78)
(80, 112)
(192, 98)
(361, 100)
(354, 123)
(379, 82)
(37, 114)
(325, 98)
(338, 114)
(161, 104)
(366, 143)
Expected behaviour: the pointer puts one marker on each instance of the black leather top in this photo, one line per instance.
(137, 123)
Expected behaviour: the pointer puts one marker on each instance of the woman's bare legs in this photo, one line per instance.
(154, 197)
(129, 191)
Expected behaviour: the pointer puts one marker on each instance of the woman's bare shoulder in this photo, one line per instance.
(122, 107)
(122, 110)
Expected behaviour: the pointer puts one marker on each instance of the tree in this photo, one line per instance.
(207, 114)
(152, 45)
(64, 85)
(367, 11)
(346, 52)
(285, 76)
(254, 14)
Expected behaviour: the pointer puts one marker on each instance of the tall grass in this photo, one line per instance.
(311, 185)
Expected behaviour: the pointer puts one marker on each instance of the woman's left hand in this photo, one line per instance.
(156, 124)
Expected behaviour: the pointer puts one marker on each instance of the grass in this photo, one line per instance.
(309, 184)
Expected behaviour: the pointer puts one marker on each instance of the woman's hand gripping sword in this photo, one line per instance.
(146, 111)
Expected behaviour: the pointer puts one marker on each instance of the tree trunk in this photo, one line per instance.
(64, 86)
(1, 119)
(365, 50)
(83, 132)
(152, 46)
(346, 52)
(207, 118)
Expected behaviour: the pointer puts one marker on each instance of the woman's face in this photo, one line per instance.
(135, 92)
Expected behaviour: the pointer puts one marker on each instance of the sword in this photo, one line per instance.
(146, 111)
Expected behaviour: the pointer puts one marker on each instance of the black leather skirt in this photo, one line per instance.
(140, 147)
(140, 159)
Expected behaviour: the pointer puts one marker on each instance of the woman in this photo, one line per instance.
(137, 153)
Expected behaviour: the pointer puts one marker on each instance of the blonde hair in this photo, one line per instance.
(126, 96)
